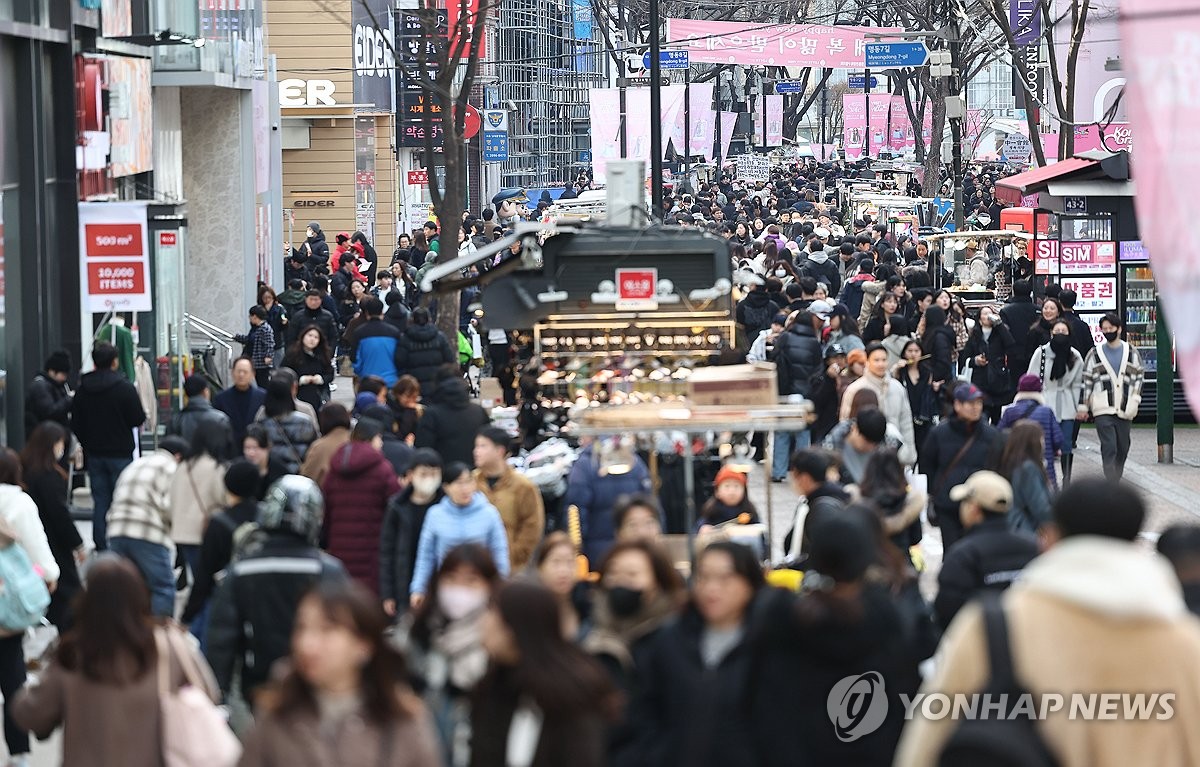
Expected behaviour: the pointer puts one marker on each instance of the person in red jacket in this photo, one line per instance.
(357, 488)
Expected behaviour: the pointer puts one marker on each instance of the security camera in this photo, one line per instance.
(510, 105)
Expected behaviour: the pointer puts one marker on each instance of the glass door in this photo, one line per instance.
(1141, 313)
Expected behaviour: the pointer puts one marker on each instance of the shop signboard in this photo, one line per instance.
(1094, 294)
(637, 290)
(1087, 258)
(1045, 257)
(374, 62)
(1133, 250)
(418, 177)
(114, 263)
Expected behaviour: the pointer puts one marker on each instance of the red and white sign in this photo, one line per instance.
(637, 289)
(1095, 294)
(168, 238)
(418, 177)
(472, 122)
(114, 264)
(1045, 257)
(1087, 258)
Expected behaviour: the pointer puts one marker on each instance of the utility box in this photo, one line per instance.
(753, 384)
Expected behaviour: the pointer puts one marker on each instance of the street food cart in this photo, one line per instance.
(966, 256)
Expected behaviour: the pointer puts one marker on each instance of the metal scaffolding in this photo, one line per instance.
(546, 71)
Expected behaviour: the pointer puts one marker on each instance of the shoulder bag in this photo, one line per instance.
(194, 731)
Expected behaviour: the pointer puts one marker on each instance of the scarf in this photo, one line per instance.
(1061, 346)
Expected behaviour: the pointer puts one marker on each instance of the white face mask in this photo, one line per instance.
(426, 486)
(458, 602)
(781, 273)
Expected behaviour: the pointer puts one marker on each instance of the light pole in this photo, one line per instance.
(656, 155)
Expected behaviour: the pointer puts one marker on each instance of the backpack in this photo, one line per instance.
(24, 596)
(996, 741)
(757, 318)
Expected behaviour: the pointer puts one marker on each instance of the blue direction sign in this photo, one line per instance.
(856, 81)
(789, 86)
(668, 60)
(904, 54)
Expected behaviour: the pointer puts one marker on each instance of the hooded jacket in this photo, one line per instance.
(104, 413)
(944, 443)
(822, 269)
(755, 312)
(197, 411)
(402, 523)
(20, 513)
(448, 525)
(1100, 597)
(451, 421)
(595, 496)
(893, 403)
(797, 357)
(357, 488)
(421, 350)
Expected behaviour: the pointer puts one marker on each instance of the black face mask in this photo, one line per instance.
(1112, 336)
(624, 602)
(1060, 342)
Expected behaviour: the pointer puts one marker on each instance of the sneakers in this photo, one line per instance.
(332, 386)
(20, 760)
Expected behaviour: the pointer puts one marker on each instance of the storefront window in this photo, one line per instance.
(364, 176)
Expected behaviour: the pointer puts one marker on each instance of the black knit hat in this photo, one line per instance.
(242, 479)
(59, 361)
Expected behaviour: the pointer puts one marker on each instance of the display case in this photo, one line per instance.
(1141, 312)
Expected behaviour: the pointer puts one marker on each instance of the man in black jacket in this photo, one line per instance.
(990, 556)
(797, 358)
(1081, 333)
(312, 313)
(450, 421)
(251, 613)
(1019, 314)
(954, 450)
(104, 414)
(198, 410)
(809, 471)
(423, 350)
(402, 523)
(49, 397)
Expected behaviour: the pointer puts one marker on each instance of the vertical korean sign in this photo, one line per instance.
(114, 261)
(1160, 40)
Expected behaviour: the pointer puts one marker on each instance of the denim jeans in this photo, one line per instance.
(153, 560)
(1068, 429)
(191, 554)
(103, 473)
(785, 443)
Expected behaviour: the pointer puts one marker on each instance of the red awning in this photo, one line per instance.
(1010, 190)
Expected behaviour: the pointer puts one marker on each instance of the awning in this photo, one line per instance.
(1010, 190)
(1094, 188)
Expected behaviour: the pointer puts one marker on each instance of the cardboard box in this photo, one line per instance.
(753, 384)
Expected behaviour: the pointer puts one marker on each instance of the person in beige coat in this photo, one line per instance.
(335, 432)
(198, 490)
(1094, 614)
(339, 702)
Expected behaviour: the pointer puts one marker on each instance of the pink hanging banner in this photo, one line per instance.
(1159, 43)
(773, 105)
(728, 123)
(854, 125)
(605, 107)
(703, 120)
(901, 136)
(1117, 136)
(778, 45)
(881, 107)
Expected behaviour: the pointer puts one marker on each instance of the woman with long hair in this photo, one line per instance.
(102, 682)
(922, 400)
(843, 330)
(544, 701)
(368, 254)
(46, 484)
(879, 326)
(557, 569)
(938, 343)
(442, 642)
(1023, 464)
(1060, 366)
(197, 493)
(691, 702)
(988, 351)
(343, 701)
(1039, 332)
(290, 432)
(256, 448)
(884, 485)
(310, 356)
(741, 234)
(276, 317)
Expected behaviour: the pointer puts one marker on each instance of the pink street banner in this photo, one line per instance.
(773, 107)
(605, 107)
(779, 45)
(704, 121)
(902, 137)
(881, 106)
(854, 125)
(728, 123)
(1159, 43)
(1117, 136)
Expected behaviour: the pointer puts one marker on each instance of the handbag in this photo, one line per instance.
(194, 731)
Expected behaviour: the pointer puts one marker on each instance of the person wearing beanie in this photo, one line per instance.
(49, 397)
(730, 500)
(990, 556)
(216, 548)
(1029, 404)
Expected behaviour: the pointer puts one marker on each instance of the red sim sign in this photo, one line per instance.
(113, 240)
(471, 122)
(637, 284)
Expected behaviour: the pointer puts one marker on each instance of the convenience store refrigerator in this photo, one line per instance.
(1138, 296)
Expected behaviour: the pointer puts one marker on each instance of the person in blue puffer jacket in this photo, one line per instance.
(594, 487)
(374, 345)
(1029, 404)
(462, 516)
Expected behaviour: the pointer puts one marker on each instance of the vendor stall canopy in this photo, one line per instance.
(1105, 166)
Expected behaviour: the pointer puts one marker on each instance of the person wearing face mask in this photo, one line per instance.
(442, 642)
(1060, 368)
(640, 592)
(1112, 390)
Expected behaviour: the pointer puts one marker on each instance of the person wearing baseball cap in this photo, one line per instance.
(955, 449)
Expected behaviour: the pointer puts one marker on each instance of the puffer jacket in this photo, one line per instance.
(987, 559)
(290, 434)
(357, 488)
(421, 351)
(797, 357)
(197, 411)
(595, 497)
(451, 421)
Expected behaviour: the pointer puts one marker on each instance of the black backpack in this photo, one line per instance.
(996, 742)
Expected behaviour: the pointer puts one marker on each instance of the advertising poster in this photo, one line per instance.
(1087, 258)
(773, 107)
(782, 45)
(901, 136)
(881, 107)
(114, 261)
(374, 62)
(854, 125)
(129, 115)
(1094, 294)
